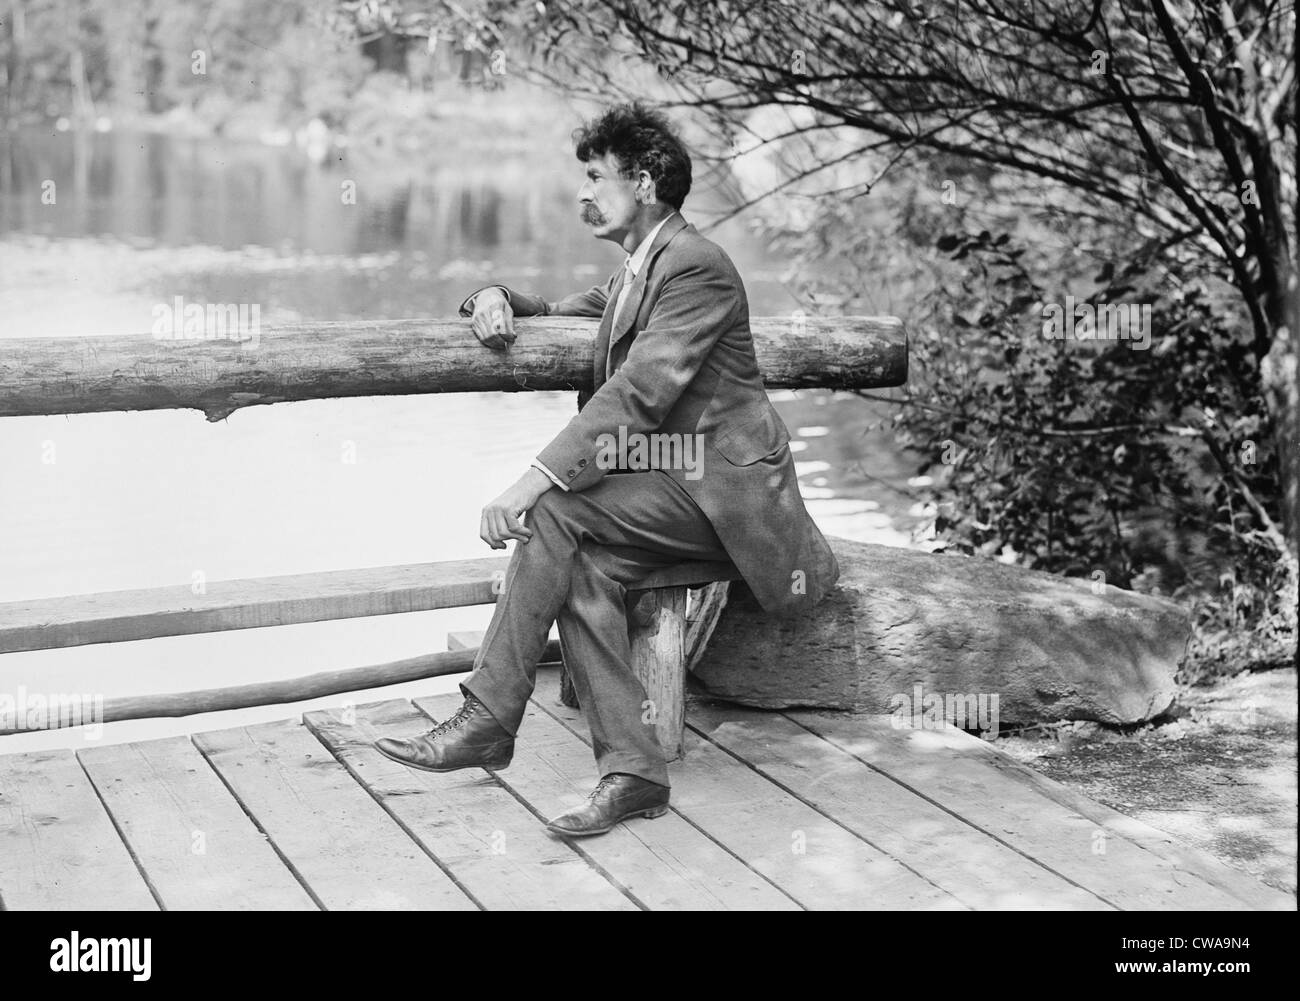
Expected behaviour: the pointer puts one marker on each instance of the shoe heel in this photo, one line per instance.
(655, 811)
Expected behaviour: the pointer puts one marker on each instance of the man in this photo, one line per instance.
(674, 356)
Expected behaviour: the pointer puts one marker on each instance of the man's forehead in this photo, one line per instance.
(606, 166)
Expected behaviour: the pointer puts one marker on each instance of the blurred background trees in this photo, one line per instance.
(278, 64)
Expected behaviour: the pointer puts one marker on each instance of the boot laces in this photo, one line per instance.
(462, 715)
(605, 781)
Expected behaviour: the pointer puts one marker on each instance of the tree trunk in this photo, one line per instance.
(1281, 378)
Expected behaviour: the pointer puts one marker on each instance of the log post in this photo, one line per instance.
(657, 630)
(568, 696)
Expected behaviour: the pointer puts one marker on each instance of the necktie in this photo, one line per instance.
(625, 291)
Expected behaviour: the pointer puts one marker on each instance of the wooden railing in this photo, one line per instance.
(76, 375)
(316, 361)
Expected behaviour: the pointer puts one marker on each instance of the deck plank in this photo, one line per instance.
(490, 843)
(813, 859)
(1120, 859)
(195, 844)
(331, 831)
(58, 848)
(978, 870)
(666, 864)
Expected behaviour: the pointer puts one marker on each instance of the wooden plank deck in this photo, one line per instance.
(773, 811)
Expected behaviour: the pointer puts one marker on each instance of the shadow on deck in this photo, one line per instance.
(793, 810)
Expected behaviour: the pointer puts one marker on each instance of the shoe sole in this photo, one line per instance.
(649, 813)
(492, 767)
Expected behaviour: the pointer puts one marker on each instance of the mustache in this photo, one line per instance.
(592, 215)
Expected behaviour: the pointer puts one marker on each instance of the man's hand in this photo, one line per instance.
(493, 321)
(500, 519)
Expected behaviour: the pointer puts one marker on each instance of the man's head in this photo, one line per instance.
(638, 171)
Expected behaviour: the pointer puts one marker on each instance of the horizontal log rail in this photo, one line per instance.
(266, 693)
(312, 361)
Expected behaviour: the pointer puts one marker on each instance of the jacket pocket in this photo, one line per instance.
(754, 438)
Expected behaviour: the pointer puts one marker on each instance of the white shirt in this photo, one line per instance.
(632, 266)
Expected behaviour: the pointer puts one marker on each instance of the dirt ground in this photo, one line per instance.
(1221, 775)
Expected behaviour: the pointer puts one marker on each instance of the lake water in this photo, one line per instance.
(104, 502)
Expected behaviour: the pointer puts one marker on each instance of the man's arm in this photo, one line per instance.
(694, 308)
(537, 464)
(499, 520)
(589, 303)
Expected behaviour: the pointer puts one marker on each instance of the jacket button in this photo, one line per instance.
(582, 463)
(572, 474)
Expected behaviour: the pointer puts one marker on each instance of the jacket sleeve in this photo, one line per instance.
(693, 310)
(589, 303)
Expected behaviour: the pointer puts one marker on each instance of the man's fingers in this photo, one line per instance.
(501, 525)
(500, 530)
(516, 530)
(503, 325)
(483, 330)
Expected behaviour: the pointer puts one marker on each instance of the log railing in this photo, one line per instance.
(76, 375)
(316, 361)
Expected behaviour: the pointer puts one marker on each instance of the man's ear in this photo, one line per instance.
(645, 188)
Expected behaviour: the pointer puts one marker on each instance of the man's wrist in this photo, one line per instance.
(538, 482)
(505, 295)
(468, 306)
(537, 464)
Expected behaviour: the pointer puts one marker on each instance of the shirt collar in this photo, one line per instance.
(638, 256)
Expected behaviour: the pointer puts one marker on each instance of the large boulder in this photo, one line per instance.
(1049, 648)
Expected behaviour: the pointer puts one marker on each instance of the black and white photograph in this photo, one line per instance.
(685, 456)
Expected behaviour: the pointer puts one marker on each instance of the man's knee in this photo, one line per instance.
(546, 511)
(557, 518)
(592, 556)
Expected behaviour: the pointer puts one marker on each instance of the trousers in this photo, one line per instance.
(587, 549)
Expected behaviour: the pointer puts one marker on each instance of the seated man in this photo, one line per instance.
(674, 356)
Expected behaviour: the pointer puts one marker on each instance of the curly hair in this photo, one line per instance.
(640, 139)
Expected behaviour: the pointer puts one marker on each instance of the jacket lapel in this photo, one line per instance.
(625, 319)
(601, 353)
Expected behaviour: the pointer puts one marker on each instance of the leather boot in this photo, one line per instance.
(472, 738)
(616, 798)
